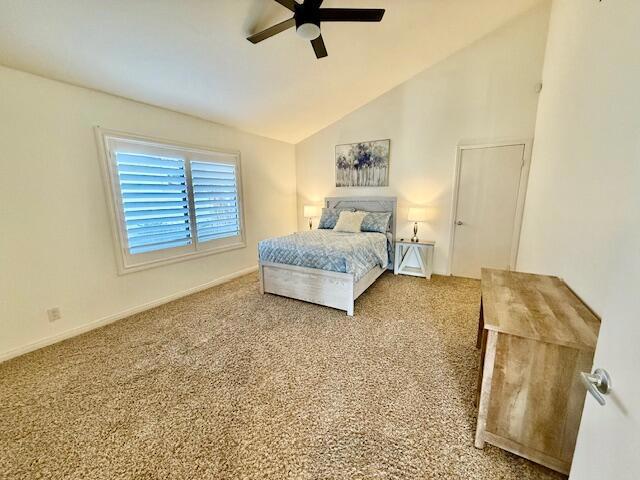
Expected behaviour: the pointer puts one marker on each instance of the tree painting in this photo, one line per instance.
(363, 164)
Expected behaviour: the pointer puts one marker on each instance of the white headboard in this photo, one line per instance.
(369, 204)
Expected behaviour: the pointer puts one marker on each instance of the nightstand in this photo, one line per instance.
(413, 258)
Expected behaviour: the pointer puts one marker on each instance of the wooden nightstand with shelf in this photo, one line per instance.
(420, 252)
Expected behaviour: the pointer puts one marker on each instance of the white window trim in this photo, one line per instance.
(104, 138)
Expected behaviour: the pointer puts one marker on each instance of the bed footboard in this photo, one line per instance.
(331, 289)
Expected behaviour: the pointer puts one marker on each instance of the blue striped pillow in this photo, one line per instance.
(376, 222)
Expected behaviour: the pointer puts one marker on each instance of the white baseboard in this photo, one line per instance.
(72, 332)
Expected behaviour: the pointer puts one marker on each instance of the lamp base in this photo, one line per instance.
(310, 224)
(415, 239)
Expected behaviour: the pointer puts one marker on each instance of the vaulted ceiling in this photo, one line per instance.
(192, 56)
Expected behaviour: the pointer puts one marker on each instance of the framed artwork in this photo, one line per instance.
(364, 164)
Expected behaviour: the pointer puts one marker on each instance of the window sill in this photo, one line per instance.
(126, 269)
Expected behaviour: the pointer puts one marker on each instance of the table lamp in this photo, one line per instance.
(310, 211)
(416, 215)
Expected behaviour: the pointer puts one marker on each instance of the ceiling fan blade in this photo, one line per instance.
(271, 31)
(351, 14)
(290, 4)
(319, 48)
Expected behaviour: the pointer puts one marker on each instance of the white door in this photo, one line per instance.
(609, 438)
(484, 231)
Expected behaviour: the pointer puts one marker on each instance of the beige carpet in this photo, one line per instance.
(229, 384)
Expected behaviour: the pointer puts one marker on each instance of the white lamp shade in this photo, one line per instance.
(417, 214)
(311, 211)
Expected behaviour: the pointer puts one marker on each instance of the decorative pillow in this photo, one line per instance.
(350, 222)
(330, 216)
(376, 222)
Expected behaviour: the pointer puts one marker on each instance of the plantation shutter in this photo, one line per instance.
(215, 197)
(155, 202)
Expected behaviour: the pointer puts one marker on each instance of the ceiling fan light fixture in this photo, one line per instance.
(307, 17)
(308, 31)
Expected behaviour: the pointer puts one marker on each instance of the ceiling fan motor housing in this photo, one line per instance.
(307, 21)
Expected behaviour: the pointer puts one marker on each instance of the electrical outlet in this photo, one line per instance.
(54, 314)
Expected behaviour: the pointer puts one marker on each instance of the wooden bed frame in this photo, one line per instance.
(331, 289)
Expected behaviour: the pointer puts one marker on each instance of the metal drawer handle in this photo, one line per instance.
(598, 383)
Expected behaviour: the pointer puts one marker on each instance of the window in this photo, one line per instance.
(170, 201)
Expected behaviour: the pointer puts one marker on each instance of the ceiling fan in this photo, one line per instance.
(308, 16)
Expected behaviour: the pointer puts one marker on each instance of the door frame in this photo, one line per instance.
(522, 192)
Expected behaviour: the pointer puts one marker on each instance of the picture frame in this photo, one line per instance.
(363, 164)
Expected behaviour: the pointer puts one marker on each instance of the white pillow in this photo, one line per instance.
(349, 222)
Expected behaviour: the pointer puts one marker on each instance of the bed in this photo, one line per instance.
(326, 267)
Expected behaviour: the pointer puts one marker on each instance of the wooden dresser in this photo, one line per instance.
(536, 336)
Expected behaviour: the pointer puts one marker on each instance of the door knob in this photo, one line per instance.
(459, 222)
(598, 384)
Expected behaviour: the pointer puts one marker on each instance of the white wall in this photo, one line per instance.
(582, 181)
(484, 92)
(55, 238)
(582, 214)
